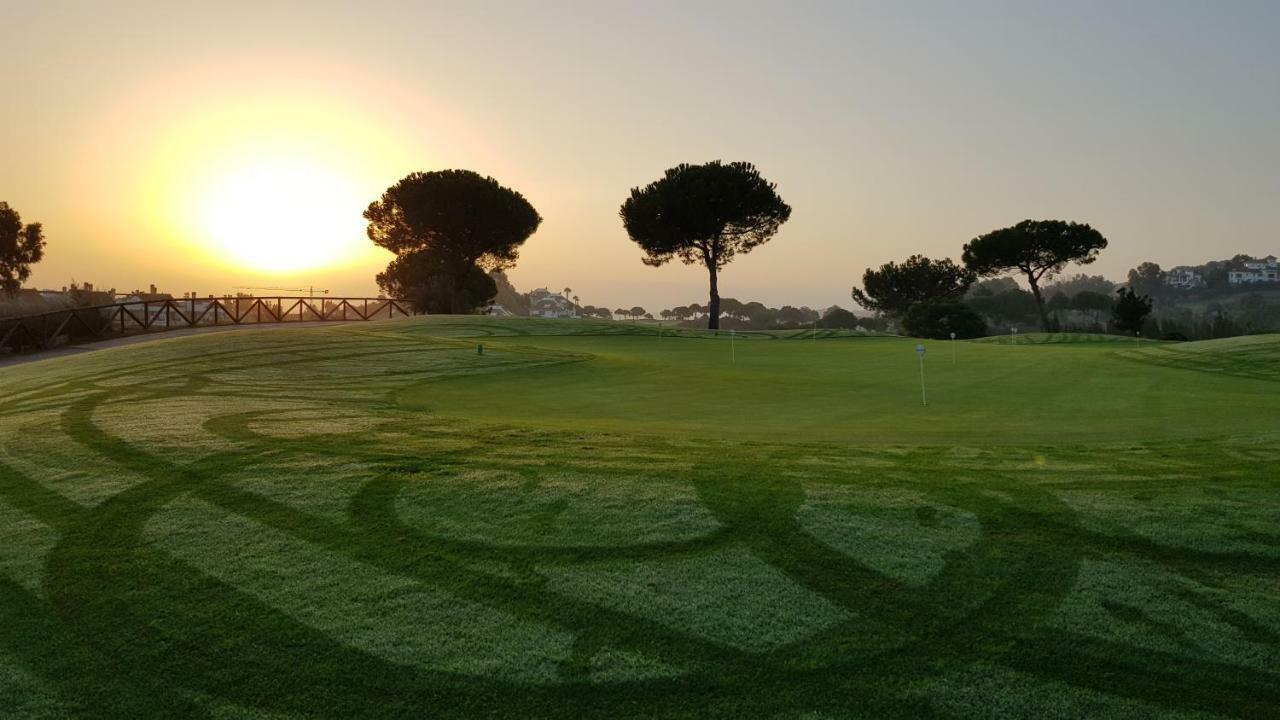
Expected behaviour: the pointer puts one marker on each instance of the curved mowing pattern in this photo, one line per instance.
(1256, 356)
(248, 527)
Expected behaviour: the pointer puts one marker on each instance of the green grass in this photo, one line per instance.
(856, 391)
(1066, 338)
(591, 521)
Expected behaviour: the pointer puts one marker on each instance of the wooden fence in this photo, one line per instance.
(145, 316)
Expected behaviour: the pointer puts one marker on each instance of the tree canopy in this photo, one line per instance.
(1006, 306)
(1089, 301)
(463, 221)
(422, 278)
(704, 214)
(1130, 311)
(838, 317)
(937, 319)
(894, 287)
(1039, 249)
(1078, 283)
(21, 246)
(1146, 279)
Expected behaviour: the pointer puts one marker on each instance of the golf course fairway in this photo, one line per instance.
(581, 520)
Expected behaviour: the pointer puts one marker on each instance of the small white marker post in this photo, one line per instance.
(1015, 336)
(924, 399)
(815, 330)
(953, 348)
(733, 353)
(1139, 338)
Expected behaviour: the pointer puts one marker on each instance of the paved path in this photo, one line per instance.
(64, 351)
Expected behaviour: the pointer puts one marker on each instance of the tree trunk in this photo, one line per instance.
(1044, 314)
(713, 305)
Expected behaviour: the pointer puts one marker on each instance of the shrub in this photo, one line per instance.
(939, 319)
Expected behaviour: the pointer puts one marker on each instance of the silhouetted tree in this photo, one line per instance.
(939, 318)
(894, 288)
(636, 312)
(788, 315)
(731, 308)
(758, 314)
(1092, 302)
(1146, 279)
(1131, 310)
(704, 214)
(993, 286)
(621, 312)
(1039, 249)
(1008, 306)
(461, 219)
(423, 278)
(1058, 302)
(21, 246)
(1080, 282)
(838, 317)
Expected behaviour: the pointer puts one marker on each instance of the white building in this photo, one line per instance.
(1183, 278)
(544, 303)
(1258, 271)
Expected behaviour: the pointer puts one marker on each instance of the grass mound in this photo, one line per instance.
(589, 521)
(1255, 356)
(1061, 338)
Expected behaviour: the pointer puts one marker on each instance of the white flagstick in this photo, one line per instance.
(924, 400)
(953, 348)
(733, 353)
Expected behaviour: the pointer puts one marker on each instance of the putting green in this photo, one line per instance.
(858, 391)
(586, 521)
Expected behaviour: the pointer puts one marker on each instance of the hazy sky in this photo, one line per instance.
(213, 145)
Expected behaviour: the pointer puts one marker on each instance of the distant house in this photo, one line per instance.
(1256, 271)
(1184, 278)
(152, 304)
(544, 303)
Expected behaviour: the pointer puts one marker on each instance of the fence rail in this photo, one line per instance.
(146, 316)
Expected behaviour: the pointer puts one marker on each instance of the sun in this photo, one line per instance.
(281, 214)
(268, 186)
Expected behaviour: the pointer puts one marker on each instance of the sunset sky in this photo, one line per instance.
(215, 145)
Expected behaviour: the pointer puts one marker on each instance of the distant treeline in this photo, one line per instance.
(1085, 303)
(740, 315)
(755, 315)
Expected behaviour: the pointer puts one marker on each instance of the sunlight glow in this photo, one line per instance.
(268, 185)
(282, 214)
